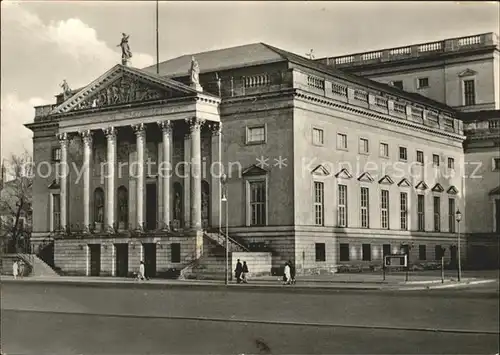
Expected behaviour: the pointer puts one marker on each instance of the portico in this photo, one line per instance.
(132, 163)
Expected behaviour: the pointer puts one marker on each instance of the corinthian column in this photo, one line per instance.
(195, 128)
(110, 176)
(166, 168)
(215, 174)
(63, 173)
(140, 134)
(87, 149)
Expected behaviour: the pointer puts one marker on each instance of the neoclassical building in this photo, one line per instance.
(321, 167)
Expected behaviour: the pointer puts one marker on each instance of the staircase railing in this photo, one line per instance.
(221, 239)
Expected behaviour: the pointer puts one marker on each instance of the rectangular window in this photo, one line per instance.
(341, 141)
(384, 209)
(469, 93)
(421, 212)
(56, 155)
(423, 83)
(318, 136)
(422, 252)
(257, 203)
(451, 215)
(342, 214)
(496, 164)
(451, 163)
(256, 134)
(403, 154)
(438, 252)
(435, 160)
(175, 252)
(403, 197)
(56, 212)
(437, 214)
(386, 249)
(320, 252)
(420, 157)
(363, 146)
(367, 252)
(318, 203)
(365, 212)
(398, 84)
(384, 150)
(344, 252)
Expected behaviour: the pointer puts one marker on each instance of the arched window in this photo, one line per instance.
(205, 203)
(122, 207)
(99, 205)
(178, 202)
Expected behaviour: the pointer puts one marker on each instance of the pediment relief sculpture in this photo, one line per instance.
(125, 89)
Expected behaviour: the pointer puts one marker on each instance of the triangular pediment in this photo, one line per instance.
(467, 72)
(438, 188)
(320, 170)
(123, 85)
(404, 183)
(54, 185)
(365, 177)
(343, 174)
(495, 191)
(421, 186)
(452, 190)
(386, 180)
(254, 170)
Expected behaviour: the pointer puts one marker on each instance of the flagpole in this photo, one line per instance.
(157, 43)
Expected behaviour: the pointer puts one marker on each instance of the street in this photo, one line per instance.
(70, 319)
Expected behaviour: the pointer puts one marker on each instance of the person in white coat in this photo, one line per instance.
(142, 271)
(15, 269)
(288, 275)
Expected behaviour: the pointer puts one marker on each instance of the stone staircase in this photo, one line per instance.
(34, 266)
(219, 237)
(211, 265)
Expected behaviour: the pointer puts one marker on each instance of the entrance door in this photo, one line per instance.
(151, 204)
(150, 259)
(95, 259)
(453, 256)
(121, 265)
(497, 215)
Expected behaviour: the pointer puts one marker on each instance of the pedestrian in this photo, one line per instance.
(292, 272)
(15, 269)
(140, 275)
(21, 269)
(245, 272)
(286, 275)
(238, 271)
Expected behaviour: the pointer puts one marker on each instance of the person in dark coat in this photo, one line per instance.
(245, 272)
(238, 271)
(292, 272)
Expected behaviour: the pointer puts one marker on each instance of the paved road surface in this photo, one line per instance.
(37, 319)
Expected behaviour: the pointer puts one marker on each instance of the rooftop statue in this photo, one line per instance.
(126, 53)
(194, 72)
(66, 89)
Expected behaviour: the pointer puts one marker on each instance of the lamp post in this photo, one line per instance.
(223, 180)
(458, 216)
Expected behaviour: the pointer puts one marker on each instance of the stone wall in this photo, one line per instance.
(258, 263)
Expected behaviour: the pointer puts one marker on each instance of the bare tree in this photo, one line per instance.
(15, 202)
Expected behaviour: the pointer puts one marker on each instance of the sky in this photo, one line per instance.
(45, 42)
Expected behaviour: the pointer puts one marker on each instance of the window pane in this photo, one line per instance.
(469, 92)
(257, 203)
(256, 134)
(320, 252)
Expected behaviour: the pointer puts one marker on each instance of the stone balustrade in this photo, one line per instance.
(413, 51)
(43, 111)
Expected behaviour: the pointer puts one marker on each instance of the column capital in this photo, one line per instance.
(62, 137)
(165, 126)
(110, 132)
(216, 128)
(139, 129)
(194, 123)
(86, 136)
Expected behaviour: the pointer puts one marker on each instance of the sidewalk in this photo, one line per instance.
(331, 282)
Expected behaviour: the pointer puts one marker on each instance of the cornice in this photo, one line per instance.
(42, 124)
(372, 114)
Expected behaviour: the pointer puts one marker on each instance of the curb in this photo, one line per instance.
(449, 285)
